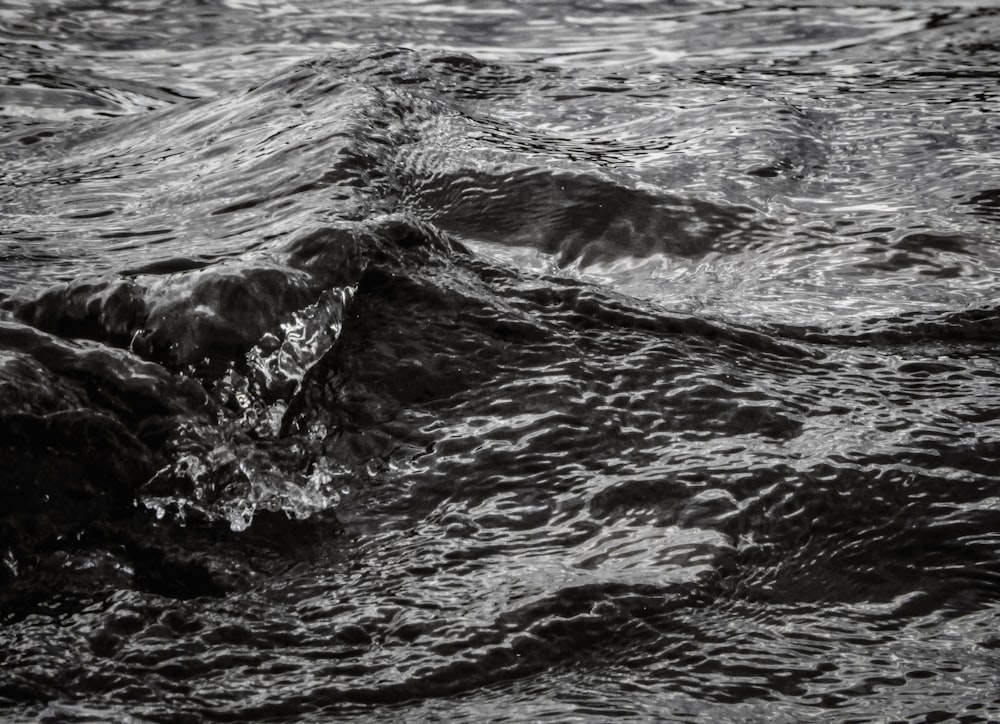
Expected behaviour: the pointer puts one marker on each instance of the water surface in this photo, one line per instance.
(526, 361)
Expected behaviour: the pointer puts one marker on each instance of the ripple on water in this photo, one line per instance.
(560, 382)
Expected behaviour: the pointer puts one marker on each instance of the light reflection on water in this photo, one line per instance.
(641, 363)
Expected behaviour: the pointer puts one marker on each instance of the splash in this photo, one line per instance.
(246, 462)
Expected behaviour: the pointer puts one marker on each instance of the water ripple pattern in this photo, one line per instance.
(507, 362)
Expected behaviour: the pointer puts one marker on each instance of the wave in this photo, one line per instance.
(411, 380)
(266, 304)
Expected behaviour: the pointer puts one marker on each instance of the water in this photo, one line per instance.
(513, 362)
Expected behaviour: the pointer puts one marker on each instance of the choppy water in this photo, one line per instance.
(519, 361)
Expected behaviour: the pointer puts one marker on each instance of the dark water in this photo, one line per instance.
(511, 362)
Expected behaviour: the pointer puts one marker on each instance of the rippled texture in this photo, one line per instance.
(552, 361)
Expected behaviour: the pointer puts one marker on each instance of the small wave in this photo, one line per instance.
(410, 378)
